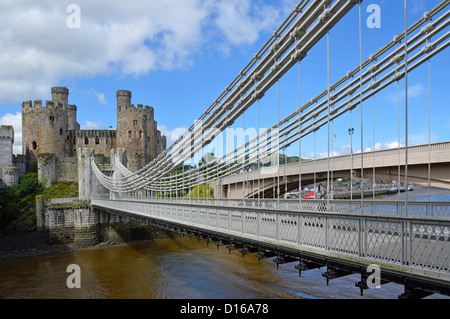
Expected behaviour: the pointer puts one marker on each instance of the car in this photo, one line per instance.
(310, 195)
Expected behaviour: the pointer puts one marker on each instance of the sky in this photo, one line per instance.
(179, 55)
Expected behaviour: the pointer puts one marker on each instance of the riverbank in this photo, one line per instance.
(36, 244)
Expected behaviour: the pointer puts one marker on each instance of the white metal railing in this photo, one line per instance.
(416, 244)
(420, 209)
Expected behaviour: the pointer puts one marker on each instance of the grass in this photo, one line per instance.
(61, 190)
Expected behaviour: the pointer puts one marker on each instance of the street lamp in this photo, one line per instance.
(350, 132)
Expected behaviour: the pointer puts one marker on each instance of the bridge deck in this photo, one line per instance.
(413, 246)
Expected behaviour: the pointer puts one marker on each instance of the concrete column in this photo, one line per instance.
(84, 173)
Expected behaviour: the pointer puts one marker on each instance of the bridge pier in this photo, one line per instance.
(84, 173)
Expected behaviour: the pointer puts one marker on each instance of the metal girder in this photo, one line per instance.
(304, 265)
(334, 272)
(284, 259)
(262, 254)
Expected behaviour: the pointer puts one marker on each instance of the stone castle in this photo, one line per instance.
(51, 137)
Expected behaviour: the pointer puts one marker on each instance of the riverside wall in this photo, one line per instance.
(75, 223)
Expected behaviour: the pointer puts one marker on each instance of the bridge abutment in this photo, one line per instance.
(77, 224)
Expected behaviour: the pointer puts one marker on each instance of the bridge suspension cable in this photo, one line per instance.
(156, 177)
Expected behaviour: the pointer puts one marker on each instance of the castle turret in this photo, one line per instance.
(123, 99)
(72, 123)
(60, 95)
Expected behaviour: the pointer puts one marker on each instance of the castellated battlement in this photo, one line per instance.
(139, 110)
(7, 133)
(37, 104)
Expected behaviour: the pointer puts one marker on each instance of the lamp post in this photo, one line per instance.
(350, 132)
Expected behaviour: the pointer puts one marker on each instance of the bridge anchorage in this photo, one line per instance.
(235, 198)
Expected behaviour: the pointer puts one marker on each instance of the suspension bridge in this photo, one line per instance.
(407, 239)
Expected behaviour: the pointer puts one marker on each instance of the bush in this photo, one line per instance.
(29, 184)
(14, 198)
(9, 201)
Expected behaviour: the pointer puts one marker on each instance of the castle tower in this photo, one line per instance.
(6, 155)
(6, 145)
(44, 127)
(136, 131)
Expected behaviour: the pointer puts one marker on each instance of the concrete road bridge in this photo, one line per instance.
(388, 165)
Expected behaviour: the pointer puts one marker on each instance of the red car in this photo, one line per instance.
(310, 195)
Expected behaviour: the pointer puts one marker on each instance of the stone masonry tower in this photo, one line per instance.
(44, 126)
(136, 131)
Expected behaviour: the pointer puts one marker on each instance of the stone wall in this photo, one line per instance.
(102, 141)
(77, 224)
(67, 169)
(19, 162)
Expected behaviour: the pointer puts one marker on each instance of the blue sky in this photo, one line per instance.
(178, 56)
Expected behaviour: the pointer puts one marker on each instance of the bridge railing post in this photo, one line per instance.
(299, 223)
(277, 226)
(258, 225)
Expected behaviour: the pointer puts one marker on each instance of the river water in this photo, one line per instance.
(180, 268)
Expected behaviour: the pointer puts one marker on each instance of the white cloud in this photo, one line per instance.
(100, 96)
(88, 125)
(346, 149)
(418, 6)
(118, 37)
(241, 20)
(171, 135)
(414, 90)
(16, 121)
